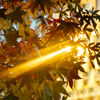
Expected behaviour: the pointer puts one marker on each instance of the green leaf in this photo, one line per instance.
(47, 93)
(64, 98)
(46, 74)
(94, 24)
(11, 97)
(58, 88)
(92, 63)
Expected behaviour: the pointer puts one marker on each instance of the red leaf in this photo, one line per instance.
(70, 80)
(25, 48)
(12, 51)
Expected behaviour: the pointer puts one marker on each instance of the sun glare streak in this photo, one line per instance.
(37, 63)
(28, 66)
(34, 63)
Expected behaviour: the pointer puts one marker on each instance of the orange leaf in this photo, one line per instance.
(30, 5)
(12, 51)
(25, 48)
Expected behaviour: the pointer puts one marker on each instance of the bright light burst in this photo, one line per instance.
(80, 51)
(93, 33)
(76, 38)
(67, 48)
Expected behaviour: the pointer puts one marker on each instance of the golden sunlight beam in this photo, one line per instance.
(38, 63)
(34, 63)
(28, 66)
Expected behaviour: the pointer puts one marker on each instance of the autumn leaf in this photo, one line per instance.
(58, 88)
(47, 93)
(2, 56)
(21, 31)
(25, 48)
(32, 4)
(12, 51)
(11, 96)
(7, 5)
(16, 15)
(16, 0)
(74, 73)
(2, 67)
(54, 33)
(70, 80)
(2, 13)
(44, 74)
(2, 50)
(11, 39)
(10, 81)
(73, 15)
(29, 32)
(32, 40)
(46, 3)
(27, 80)
(68, 27)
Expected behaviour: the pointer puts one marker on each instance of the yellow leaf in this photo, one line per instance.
(51, 12)
(21, 31)
(7, 59)
(2, 50)
(46, 11)
(35, 87)
(29, 12)
(27, 29)
(30, 31)
(14, 88)
(35, 13)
